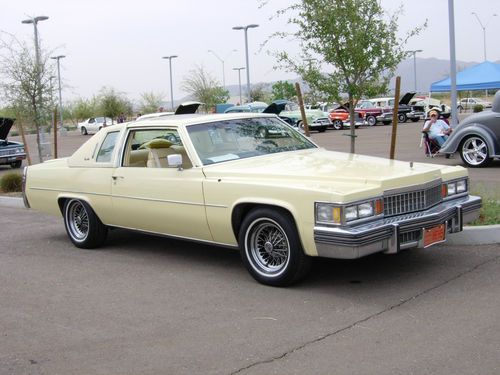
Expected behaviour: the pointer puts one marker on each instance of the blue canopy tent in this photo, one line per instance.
(482, 76)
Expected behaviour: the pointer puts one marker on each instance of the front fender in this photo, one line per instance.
(453, 142)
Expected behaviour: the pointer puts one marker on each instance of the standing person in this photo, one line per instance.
(437, 129)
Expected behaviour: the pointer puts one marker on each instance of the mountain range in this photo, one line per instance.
(429, 70)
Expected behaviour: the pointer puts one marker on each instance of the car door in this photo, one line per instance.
(166, 200)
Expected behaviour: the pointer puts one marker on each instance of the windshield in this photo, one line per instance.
(221, 141)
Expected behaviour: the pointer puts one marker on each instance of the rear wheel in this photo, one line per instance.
(83, 130)
(83, 226)
(16, 164)
(474, 152)
(337, 125)
(371, 120)
(270, 248)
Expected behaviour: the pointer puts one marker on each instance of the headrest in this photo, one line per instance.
(157, 143)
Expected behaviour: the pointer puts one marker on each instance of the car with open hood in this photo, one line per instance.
(316, 118)
(274, 195)
(11, 153)
(477, 137)
(387, 105)
(183, 109)
(339, 117)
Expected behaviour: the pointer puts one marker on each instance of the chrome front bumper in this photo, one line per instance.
(392, 234)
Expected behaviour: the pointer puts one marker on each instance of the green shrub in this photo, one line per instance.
(11, 182)
(478, 108)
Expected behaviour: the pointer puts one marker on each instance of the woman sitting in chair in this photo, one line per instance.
(437, 129)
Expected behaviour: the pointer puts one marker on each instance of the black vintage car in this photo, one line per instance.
(11, 153)
(477, 138)
(403, 110)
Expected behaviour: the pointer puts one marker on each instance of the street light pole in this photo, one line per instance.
(415, 66)
(239, 79)
(171, 85)
(245, 28)
(484, 31)
(223, 70)
(34, 21)
(58, 58)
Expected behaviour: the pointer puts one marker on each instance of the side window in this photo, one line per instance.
(107, 147)
(151, 147)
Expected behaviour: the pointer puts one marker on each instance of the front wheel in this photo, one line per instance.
(402, 117)
(16, 164)
(371, 120)
(270, 247)
(337, 125)
(83, 130)
(474, 152)
(83, 226)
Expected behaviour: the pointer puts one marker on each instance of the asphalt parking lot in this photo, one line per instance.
(149, 305)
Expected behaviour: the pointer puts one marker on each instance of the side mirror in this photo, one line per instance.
(175, 161)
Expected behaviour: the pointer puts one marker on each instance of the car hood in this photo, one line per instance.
(319, 169)
(5, 125)
(187, 108)
(405, 100)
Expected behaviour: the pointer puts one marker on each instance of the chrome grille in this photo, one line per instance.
(412, 201)
(6, 152)
(409, 237)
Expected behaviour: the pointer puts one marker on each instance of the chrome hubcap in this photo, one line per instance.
(474, 151)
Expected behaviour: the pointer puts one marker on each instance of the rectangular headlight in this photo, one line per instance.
(351, 213)
(331, 213)
(461, 186)
(365, 210)
(452, 188)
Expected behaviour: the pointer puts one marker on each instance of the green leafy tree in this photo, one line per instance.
(82, 109)
(356, 42)
(150, 102)
(26, 85)
(112, 103)
(258, 93)
(204, 88)
(283, 90)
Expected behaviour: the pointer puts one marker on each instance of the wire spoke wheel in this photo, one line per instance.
(268, 247)
(78, 220)
(83, 226)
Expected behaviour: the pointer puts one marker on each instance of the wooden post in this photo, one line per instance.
(55, 133)
(395, 117)
(302, 110)
(21, 130)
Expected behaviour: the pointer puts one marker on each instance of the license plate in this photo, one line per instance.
(434, 235)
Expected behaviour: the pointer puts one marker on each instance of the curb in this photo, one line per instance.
(477, 235)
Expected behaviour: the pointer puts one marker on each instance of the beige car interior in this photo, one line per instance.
(153, 154)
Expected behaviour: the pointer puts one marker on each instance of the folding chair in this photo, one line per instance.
(431, 147)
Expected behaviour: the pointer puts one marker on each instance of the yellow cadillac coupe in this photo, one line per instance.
(252, 182)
